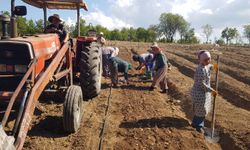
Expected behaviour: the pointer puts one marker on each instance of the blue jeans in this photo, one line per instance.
(198, 122)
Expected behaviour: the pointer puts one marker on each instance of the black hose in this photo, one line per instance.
(20, 113)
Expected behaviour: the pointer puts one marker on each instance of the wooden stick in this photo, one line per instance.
(214, 100)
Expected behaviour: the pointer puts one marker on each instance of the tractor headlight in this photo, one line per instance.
(21, 68)
(3, 68)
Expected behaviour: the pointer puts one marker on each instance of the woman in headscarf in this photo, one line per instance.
(107, 53)
(201, 90)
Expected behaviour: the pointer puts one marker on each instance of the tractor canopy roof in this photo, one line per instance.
(57, 4)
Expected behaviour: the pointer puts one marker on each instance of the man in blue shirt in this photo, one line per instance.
(119, 65)
(146, 60)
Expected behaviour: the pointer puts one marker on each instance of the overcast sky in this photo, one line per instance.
(143, 13)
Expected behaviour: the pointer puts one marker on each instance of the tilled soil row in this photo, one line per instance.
(47, 130)
(231, 136)
(237, 73)
(229, 88)
(241, 54)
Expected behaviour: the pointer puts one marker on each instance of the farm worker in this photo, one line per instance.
(57, 27)
(107, 53)
(162, 65)
(145, 60)
(201, 90)
(101, 39)
(119, 65)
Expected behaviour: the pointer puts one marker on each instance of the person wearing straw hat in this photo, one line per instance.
(162, 65)
(201, 90)
(101, 39)
(57, 27)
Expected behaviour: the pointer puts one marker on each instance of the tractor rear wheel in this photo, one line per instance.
(72, 109)
(91, 70)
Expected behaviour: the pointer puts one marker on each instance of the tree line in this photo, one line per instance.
(171, 28)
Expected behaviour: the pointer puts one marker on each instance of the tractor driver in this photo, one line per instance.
(57, 27)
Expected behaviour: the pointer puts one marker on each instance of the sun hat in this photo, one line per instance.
(56, 16)
(154, 44)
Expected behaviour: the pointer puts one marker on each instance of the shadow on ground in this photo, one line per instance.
(135, 87)
(49, 127)
(164, 122)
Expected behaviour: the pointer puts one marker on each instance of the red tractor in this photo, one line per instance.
(31, 65)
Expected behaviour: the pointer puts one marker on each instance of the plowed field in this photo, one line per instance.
(141, 119)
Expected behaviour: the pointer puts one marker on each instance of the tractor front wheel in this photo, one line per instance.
(72, 109)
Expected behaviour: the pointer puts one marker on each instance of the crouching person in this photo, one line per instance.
(119, 65)
(162, 66)
(107, 53)
(201, 90)
(145, 60)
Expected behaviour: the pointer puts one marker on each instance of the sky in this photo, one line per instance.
(143, 13)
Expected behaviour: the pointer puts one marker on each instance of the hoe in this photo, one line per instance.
(32, 65)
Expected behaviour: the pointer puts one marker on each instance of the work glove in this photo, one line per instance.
(216, 67)
(214, 93)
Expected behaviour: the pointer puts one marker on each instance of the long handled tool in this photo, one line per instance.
(213, 136)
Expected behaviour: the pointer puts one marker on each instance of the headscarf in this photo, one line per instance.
(115, 52)
(203, 55)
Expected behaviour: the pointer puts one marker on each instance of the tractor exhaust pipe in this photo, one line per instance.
(13, 20)
(5, 20)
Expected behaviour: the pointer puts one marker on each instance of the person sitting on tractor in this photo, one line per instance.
(101, 39)
(57, 27)
(145, 60)
(119, 65)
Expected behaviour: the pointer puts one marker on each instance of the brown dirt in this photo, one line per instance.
(142, 119)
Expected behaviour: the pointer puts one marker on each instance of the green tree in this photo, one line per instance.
(207, 30)
(183, 29)
(39, 26)
(220, 41)
(83, 28)
(169, 24)
(151, 34)
(132, 34)
(115, 35)
(21, 25)
(141, 34)
(189, 37)
(247, 32)
(31, 28)
(124, 34)
(229, 34)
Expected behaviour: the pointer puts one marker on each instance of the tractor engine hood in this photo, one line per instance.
(17, 53)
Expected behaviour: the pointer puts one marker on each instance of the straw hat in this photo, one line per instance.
(56, 16)
(101, 33)
(154, 44)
